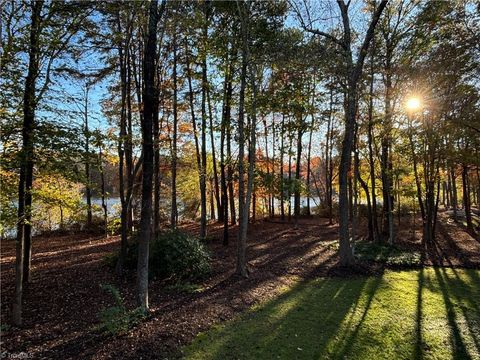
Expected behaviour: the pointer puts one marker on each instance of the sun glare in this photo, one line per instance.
(413, 104)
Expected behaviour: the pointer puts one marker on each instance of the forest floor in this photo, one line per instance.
(64, 298)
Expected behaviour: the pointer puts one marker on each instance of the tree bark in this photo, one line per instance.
(353, 75)
(289, 190)
(23, 241)
(297, 171)
(214, 160)
(454, 193)
(203, 171)
(88, 189)
(224, 128)
(174, 210)
(374, 216)
(121, 146)
(282, 180)
(244, 205)
(102, 189)
(149, 110)
(241, 268)
(329, 161)
(386, 168)
(466, 200)
(309, 159)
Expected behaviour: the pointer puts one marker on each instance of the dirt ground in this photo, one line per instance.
(64, 298)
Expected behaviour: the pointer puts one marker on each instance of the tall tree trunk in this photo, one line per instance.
(122, 54)
(244, 205)
(354, 73)
(241, 268)
(88, 189)
(374, 219)
(156, 171)
(149, 111)
(233, 216)
(203, 171)
(350, 196)
(102, 189)
(267, 161)
(282, 180)
(345, 251)
(174, 210)
(225, 125)
(454, 193)
(272, 214)
(466, 200)
(297, 171)
(356, 172)
(223, 177)
(289, 190)
(386, 169)
(309, 159)
(194, 120)
(212, 202)
(128, 140)
(329, 161)
(23, 241)
(365, 188)
(448, 190)
(214, 159)
(478, 188)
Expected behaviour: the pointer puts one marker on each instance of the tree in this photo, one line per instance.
(353, 72)
(150, 110)
(58, 30)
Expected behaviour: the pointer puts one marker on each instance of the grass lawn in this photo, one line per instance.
(432, 313)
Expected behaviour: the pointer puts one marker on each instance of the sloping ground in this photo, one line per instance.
(64, 299)
(431, 313)
(455, 246)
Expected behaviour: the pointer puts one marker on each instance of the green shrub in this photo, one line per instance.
(387, 254)
(186, 288)
(114, 226)
(174, 255)
(4, 328)
(111, 260)
(117, 319)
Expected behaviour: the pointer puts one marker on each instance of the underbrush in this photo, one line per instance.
(116, 319)
(185, 288)
(386, 254)
(174, 256)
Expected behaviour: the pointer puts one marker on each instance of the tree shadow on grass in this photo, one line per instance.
(344, 347)
(456, 338)
(301, 323)
(419, 344)
(460, 295)
(460, 300)
(360, 317)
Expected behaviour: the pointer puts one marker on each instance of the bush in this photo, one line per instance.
(323, 211)
(117, 319)
(114, 226)
(387, 254)
(174, 255)
(186, 288)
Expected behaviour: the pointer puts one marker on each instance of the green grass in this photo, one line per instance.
(422, 314)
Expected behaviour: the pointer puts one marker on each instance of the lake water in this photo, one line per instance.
(114, 204)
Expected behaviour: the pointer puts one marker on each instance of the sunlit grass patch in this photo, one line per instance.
(429, 314)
